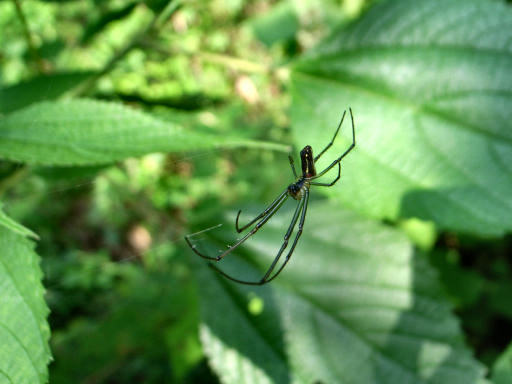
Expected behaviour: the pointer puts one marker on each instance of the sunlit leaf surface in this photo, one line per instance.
(83, 132)
(24, 331)
(356, 304)
(430, 86)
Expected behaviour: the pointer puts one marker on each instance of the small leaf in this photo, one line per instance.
(279, 24)
(355, 304)
(429, 82)
(463, 286)
(40, 88)
(24, 331)
(14, 226)
(98, 25)
(87, 132)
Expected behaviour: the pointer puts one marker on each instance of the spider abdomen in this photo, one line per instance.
(307, 162)
(296, 190)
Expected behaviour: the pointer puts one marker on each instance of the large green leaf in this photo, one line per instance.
(84, 132)
(24, 332)
(356, 304)
(430, 85)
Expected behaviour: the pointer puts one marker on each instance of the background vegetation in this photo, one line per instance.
(126, 124)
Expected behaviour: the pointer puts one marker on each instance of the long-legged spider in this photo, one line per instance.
(299, 190)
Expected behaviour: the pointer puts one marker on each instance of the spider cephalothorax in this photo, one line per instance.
(299, 190)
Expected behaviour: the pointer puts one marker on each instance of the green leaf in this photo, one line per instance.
(7, 222)
(356, 304)
(502, 369)
(429, 82)
(463, 286)
(40, 88)
(86, 132)
(96, 26)
(24, 332)
(280, 23)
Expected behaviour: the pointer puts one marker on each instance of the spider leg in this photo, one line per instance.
(333, 138)
(221, 272)
(332, 182)
(351, 147)
(193, 247)
(283, 198)
(297, 236)
(300, 208)
(292, 164)
(267, 210)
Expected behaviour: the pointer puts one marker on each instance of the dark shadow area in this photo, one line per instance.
(474, 273)
(435, 351)
(485, 313)
(186, 102)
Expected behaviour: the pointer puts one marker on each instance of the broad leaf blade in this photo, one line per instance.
(241, 347)
(429, 83)
(86, 132)
(355, 304)
(24, 332)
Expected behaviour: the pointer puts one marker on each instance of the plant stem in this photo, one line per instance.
(29, 38)
(236, 63)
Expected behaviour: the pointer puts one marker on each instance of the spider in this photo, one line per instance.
(299, 190)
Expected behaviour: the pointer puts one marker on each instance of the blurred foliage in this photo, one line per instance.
(128, 300)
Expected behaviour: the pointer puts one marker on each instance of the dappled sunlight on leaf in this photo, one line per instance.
(356, 303)
(429, 83)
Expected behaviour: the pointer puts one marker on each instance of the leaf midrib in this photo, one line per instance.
(31, 311)
(6, 376)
